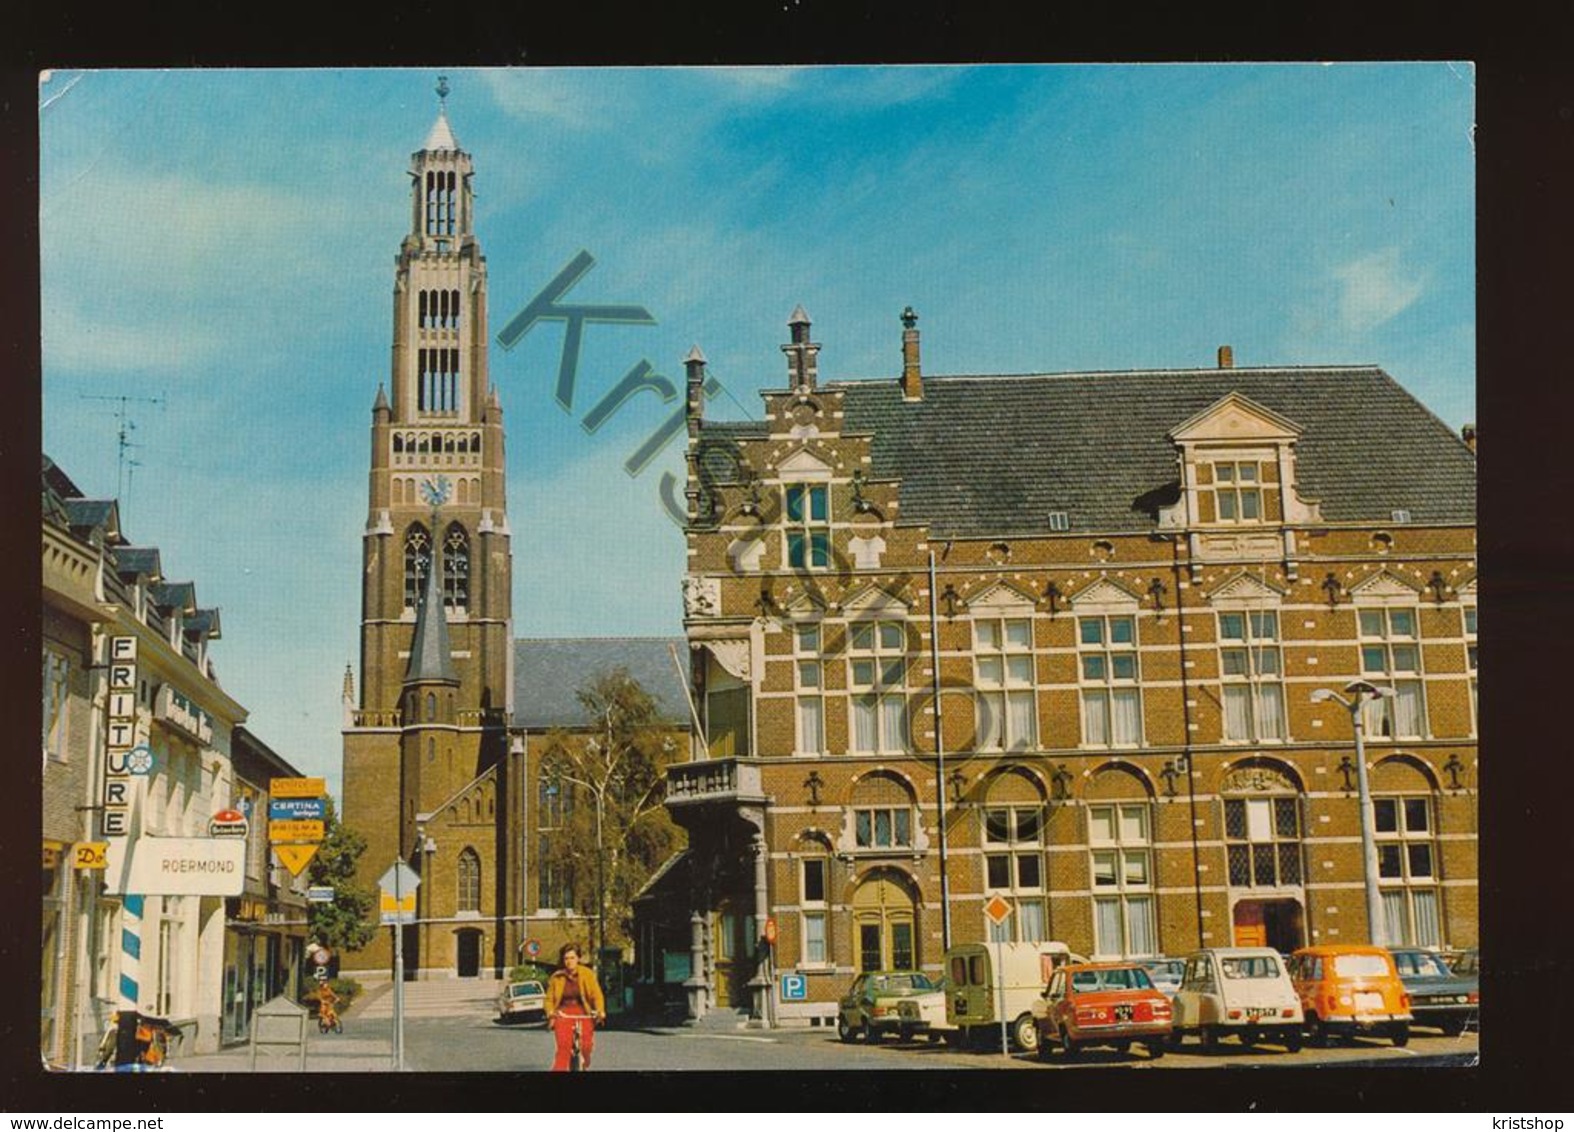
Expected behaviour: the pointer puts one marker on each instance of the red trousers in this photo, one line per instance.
(564, 1026)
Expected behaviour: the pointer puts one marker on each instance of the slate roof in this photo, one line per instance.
(91, 514)
(983, 456)
(174, 595)
(548, 674)
(131, 561)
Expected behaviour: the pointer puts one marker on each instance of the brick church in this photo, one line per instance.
(446, 733)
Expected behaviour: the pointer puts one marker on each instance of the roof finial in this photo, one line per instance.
(442, 90)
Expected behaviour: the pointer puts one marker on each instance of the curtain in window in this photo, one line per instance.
(991, 732)
(863, 723)
(893, 723)
(1032, 912)
(1139, 915)
(1021, 709)
(1095, 718)
(1407, 709)
(1237, 712)
(1106, 927)
(1126, 718)
(1396, 923)
(1270, 715)
(1428, 930)
(810, 725)
(814, 937)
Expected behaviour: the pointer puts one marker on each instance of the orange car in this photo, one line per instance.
(1348, 989)
(1102, 1004)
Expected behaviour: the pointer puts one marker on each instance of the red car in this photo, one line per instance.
(1102, 1004)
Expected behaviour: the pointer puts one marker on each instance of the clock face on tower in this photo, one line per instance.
(435, 490)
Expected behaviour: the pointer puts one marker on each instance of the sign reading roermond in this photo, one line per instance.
(176, 866)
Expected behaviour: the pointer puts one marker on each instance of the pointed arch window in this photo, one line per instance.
(417, 560)
(456, 568)
(469, 881)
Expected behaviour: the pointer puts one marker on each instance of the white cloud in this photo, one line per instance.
(536, 95)
(1376, 288)
(75, 341)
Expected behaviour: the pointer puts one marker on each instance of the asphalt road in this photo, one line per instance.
(478, 1044)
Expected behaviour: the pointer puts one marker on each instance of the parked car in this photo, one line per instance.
(1166, 973)
(924, 1013)
(1348, 989)
(1102, 1004)
(991, 981)
(1467, 963)
(869, 1009)
(1244, 991)
(1439, 996)
(522, 1002)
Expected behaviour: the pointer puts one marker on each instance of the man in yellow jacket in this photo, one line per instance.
(574, 1005)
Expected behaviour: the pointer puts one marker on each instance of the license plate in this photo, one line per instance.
(1368, 1000)
(1123, 1012)
(1255, 1012)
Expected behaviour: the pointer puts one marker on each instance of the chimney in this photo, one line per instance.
(803, 365)
(912, 376)
(1468, 434)
(1226, 358)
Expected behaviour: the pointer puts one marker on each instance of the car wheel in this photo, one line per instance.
(1318, 1033)
(1210, 1038)
(1177, 1040)
(1024, 1034)
(1044, 1047)
(1292, 1042)
(1122, 1047)
(1248, 1038)
(1155, 1049)
(904, 1034)
(869, 1034)
(843, 1030)
(1453, 1027)
(1067, 1046)
(1400, 1035)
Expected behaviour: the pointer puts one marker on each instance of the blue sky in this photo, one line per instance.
(223, 240)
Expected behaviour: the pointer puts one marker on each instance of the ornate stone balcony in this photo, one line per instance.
(713, 780)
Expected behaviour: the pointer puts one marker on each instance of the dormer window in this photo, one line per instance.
(808, 526)
(1237, 493)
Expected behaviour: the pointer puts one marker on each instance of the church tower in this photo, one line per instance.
(436, 607)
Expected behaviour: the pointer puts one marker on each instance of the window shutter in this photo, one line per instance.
(1205, 510)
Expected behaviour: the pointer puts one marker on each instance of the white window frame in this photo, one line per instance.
(1122, 851)
(1406, 885)
(879, 654)
(1014, 849)
(56, 704)
(1257, 654)
(1468, 621)
(1230, 489)
(818, 910)
(874, 822)
(1004, 672)
(1265, 833)
(1381, 653)
(1097, 662)
(806, 526)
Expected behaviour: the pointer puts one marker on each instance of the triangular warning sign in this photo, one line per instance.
(295, 857)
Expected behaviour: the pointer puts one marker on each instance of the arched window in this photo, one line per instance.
(1015, 817)
(554, 808)
(1120, 852)
(417, 560)
(469, 881)
(456, 568)
(431, 707)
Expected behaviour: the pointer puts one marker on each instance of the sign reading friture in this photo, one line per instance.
(177, 866)
(115, 817)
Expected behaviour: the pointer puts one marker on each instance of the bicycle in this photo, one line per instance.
(328, 1019)
(577, 1061)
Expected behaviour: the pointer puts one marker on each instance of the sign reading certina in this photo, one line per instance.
(176, 866)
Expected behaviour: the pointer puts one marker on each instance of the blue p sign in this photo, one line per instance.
(795, 987)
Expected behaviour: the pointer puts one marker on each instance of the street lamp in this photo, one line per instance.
(1359, 691)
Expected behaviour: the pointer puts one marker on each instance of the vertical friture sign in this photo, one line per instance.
(118, 784)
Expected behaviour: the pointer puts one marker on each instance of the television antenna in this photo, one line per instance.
(127, 426)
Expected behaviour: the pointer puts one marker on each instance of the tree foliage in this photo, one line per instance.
(614, 770)
(349, 922)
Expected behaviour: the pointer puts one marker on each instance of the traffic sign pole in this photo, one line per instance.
(398, 931)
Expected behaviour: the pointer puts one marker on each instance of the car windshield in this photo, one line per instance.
(1249, 967)
(1119, 978)
(1355, 966)
(1422, 963)
(1168, 968)
(520, 990)
(900, 984)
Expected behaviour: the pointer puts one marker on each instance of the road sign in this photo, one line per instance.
(396, 896)
(297, 809)
(770, 929)
(321, 955)
(532, 947)
(176, 866)
(795, 987)
(295, 857)
(998, 909)
(295, 831)
(297, 787)
(400, 877)
(139, 760)
(320, 894)
(90, 855)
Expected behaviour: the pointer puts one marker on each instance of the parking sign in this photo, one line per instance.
(795, 987)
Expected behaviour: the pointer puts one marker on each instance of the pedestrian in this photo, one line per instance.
(574, 1006)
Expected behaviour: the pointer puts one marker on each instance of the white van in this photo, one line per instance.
(1245, 991)
(983, 978)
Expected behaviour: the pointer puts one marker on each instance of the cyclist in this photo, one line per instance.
(574, 1005)
(327, 1014)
